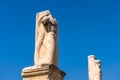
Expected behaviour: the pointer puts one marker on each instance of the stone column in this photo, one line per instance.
(94, 68)
(44, 72)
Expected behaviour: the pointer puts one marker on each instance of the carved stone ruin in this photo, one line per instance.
(94, 68)
(46, 50)
(46, 53)
(46, 46)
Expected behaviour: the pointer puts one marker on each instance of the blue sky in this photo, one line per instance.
(85, 27)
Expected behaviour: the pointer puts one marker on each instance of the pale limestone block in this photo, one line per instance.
(44, 72)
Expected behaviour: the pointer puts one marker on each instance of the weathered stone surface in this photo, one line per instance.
(98, 73)
(44, 72)
(46, 45)
(94, 68)
(91, 65)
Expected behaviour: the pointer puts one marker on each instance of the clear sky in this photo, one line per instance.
(85, 27)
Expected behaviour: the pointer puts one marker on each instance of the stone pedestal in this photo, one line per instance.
(44, 72)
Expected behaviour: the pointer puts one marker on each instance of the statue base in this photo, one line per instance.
(43, 72)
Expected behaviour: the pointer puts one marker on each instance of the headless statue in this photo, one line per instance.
(46, 43)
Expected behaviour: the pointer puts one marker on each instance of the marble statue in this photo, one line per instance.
(46, 43)
(46, 50)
